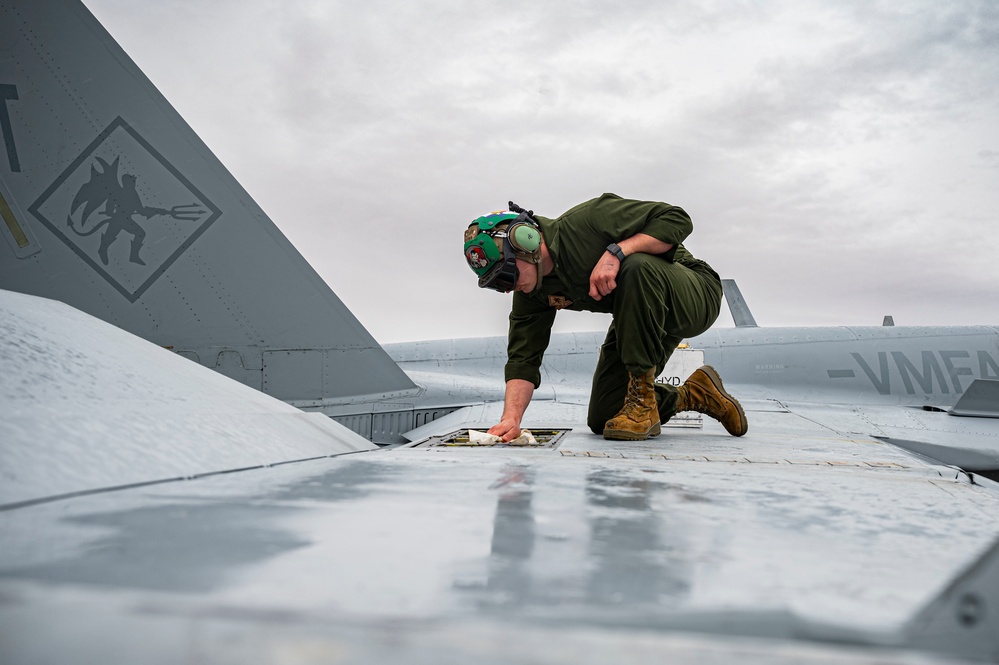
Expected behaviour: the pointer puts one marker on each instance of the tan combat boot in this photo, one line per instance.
(638, 419)
(703, 392)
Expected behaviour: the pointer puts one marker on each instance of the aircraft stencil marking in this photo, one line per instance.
(121, 203)
(8, 92)
(118, 178)
(933, 375)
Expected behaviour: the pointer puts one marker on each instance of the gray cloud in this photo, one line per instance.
(838, 160)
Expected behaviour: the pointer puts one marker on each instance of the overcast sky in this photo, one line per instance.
(840, 160)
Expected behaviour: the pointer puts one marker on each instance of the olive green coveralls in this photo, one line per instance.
(659, 299)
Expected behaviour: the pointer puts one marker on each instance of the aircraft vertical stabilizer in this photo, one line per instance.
(112, 204)
(737, 305)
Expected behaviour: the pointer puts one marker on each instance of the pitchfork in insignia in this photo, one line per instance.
(121, 202)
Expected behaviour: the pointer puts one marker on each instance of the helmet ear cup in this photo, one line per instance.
(524, 237)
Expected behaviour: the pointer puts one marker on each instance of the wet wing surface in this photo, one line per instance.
(622, 541)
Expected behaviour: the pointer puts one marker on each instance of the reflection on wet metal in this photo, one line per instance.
(511, 583)
(633, 555)
(545, 438)
(176, 547)
(638, 556)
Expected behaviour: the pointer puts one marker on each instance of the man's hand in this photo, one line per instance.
(508, 429)
(603, 279)
(518, 396)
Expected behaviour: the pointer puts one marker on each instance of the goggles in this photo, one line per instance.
(503, 275)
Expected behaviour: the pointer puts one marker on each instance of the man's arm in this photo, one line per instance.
(518, 396)
(603, 279)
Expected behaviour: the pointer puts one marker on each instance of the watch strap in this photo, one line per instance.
(615, 249)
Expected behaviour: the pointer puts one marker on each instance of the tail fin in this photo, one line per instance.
(112, 204)
(737, 305)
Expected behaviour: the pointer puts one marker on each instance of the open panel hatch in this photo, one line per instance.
(544, 438)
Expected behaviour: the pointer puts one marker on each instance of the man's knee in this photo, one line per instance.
(596, 420)
(641, 267)
(599, 413)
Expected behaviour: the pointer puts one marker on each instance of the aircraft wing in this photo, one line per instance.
(794, 543)
(586, 553)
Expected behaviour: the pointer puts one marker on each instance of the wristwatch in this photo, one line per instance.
(614, 249)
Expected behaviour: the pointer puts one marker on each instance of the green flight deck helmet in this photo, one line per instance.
(494, 242)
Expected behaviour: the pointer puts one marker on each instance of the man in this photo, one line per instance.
(611, 255)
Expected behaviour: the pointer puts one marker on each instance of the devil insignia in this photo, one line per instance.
(121, 204)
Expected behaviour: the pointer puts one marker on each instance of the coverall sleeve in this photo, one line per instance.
(619, 218)
(668, 223)
(530, 331)
(624, 218)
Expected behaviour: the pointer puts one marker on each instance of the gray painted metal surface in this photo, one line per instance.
(891, 383)
(964, 613)
(789, 545)
(980, 401)
(85, 406)
(741, 315)
(805, 541)
(129, 217)
(811, 539)
(903, 365)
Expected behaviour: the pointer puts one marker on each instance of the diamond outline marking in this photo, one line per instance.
(81, 159)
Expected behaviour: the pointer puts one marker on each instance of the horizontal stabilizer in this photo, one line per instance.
(962, 454)
(980, 400)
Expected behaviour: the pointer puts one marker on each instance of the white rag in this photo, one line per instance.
(486, 439)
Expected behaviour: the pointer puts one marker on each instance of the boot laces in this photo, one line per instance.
(633, 400)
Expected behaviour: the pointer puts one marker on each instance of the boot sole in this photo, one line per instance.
(716, 380)
(627, 435)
